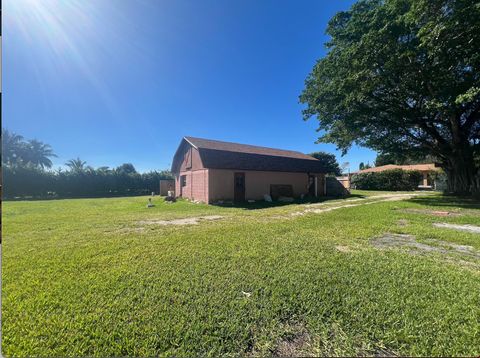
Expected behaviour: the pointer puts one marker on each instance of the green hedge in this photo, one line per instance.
(30, 182)
(395, 179)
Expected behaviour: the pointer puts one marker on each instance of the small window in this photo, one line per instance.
(183, 180)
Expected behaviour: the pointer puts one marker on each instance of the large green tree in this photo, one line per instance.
(329, 162)
(403, 76)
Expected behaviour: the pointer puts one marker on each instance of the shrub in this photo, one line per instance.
(395, 179)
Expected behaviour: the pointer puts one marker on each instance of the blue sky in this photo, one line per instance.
(115, 81)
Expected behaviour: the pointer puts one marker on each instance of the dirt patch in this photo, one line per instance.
(402, 222)
(128, 230)
(185, 221)
(431, 212)
(400, 240)
(327, 202)
(343, 248)
(469, 228)
(371, 200)
(294, 343)
(409, 242)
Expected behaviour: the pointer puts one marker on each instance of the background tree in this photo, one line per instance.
(38, 154)
(12, 147)
(363, 166)
(25, 174)
(126, 168)
(345, 167)
(16, 151)
(76, 165)
(328, 161)
(387, 158)
(403, 76)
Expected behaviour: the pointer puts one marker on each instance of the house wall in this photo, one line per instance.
(196, 187)
(257, 183)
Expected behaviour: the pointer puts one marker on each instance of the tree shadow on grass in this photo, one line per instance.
(261, 204)
(447, 201)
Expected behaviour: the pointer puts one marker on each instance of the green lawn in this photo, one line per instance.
(87, 277)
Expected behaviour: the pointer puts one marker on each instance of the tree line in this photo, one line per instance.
(27, 173)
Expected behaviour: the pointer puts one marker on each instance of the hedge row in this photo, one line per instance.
(29, 182)
(395, 179)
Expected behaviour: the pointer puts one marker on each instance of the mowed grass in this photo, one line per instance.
(84, 278)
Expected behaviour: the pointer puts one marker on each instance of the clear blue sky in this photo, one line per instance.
(115, 81)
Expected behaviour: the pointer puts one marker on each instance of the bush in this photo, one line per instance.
(395, 179)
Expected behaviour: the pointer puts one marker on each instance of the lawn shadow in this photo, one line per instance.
(265, 204)
(447, 201)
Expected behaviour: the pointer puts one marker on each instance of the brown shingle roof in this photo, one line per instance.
(245, 148)
(225, 155)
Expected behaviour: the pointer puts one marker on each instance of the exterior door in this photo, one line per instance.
(239, 187)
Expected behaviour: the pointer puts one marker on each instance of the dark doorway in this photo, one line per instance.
(239, 187)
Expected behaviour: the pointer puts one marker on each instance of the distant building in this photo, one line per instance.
(210, 171)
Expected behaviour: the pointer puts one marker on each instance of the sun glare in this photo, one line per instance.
(63, 36)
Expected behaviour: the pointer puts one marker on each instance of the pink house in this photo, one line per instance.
(209, 171)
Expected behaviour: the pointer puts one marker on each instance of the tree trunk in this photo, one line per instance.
(462, 175)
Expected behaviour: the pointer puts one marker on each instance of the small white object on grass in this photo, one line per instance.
(251, 200)
(246, 294)
(267, 198)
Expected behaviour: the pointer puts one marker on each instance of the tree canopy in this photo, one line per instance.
(17, 151)
(329, 162)
(363, 166)
(402, 76)
(389, 158)
(76, 165)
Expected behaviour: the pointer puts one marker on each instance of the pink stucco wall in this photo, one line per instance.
(257, 183)
(197, 185)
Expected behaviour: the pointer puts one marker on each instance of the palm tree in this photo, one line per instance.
(76, 165)
(13, 147)
(39, 154)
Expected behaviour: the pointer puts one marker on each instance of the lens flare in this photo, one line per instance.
(68, 36)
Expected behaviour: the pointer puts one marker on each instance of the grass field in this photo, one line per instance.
(108, 277)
